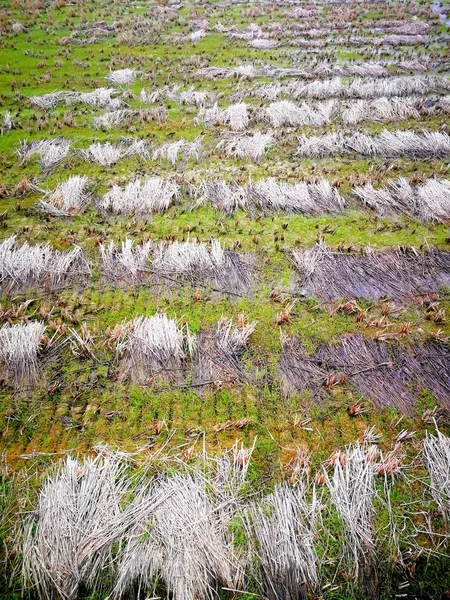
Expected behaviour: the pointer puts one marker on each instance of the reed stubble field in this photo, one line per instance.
(224, 279)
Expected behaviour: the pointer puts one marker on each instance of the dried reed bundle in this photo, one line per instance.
(436, 458)
(282, 113)
(122, 76)
(222, 196)
(154, 347)
(263, 43)
(191, 96)
(47, 101)
(285, 527)
(19, 349)
(69, 198)
(242, 71)
(114, 119)
(218, 356)
(358, 87)
(400, 275)
(352, 489)
(429, 201)
(128, 264)
(69, 536)
(171, 150)
(108, 154)
(384, 110)
(235, 116)
(101, 97)
(26, 267)
(247, 146)
(51, 151)
(303, 198)
(140, 198)
(180, 543)
(197, 264)
(388, 144)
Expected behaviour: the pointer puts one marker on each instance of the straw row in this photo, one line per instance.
(429, 201)
(175, 530)
(159, 350)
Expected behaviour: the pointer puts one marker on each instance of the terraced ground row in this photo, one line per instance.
(224, 280)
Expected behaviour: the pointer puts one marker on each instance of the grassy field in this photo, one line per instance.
(82, 394)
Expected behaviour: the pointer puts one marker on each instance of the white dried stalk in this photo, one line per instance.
(23, 267)
(250, 146)
(196, 36)
(248, 33)
(285, 527)
(388, 144)
(188, 259)
(222, 196)
(303, 198)
(307, 261)
(397, 86)
(231, 470)
(321, 145)
(412, 28)
(263, 43)
(113, 119)
(122, 76)
(154, 346)
(19, 347)
(101, 97)
(108, 154)
(436, 458)
(136, 148)
(286, 113)
(69, 536)
(403, 40)
(195, 263)
(141, 198)
(433, 200)
(443, 104)
(68, 198)
(228, 480)
(128, 263)
(171, 150)
(104, 154)
(233, 340)
(247, 71)
(429, 201)
(18, 27)
(352, 489)
(182, 543)
(47, 101)
(51, 151)
(356, 88)
(382, 110)
(298, 12)
(235, 116)
(7, 123)
(151, 97)
(188, 542)
(191, 96)
(380, 200)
